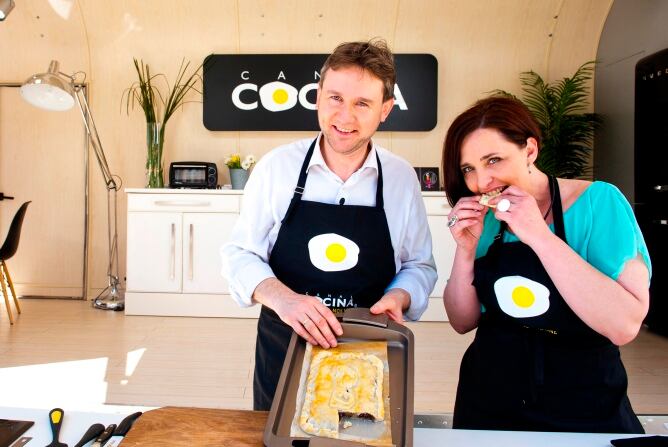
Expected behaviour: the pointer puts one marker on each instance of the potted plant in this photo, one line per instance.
(559, 109)
(239, 169)
(158, 107)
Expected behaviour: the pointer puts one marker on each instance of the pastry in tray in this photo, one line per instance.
(341, 384)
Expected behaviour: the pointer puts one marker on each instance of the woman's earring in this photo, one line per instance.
(529, 167)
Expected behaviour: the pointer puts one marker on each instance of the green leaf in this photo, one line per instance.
(146, 92)
(560, 111)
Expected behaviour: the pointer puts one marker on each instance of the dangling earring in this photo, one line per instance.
(529, 168)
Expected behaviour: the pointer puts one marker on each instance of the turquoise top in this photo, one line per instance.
(600, 226)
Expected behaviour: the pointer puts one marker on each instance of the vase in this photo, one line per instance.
(155, 138)
(238, 177)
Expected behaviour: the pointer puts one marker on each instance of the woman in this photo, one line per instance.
(554, 275)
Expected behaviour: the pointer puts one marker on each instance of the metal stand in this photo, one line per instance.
(112, 297)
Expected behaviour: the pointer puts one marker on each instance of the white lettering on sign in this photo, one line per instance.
(399, 98)
(236, 93)
(278, 96)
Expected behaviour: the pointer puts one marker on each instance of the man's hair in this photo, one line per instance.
(373, 56)
(508, 116)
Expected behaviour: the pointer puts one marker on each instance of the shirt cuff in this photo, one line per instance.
(253, 275)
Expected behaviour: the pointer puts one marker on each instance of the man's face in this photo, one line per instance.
(350, 109)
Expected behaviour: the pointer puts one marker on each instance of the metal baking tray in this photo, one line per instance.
(358, 325)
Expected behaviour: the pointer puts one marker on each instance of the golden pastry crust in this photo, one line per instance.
(341, 382)
(485, 198)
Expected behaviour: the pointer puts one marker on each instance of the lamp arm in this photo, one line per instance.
(94, 137)
(114, 282)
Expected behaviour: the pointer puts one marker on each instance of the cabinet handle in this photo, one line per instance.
(173, 257)
(191, 250)
(181, 203)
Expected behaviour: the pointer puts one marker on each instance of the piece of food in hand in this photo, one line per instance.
(486, 197)
(341, 384)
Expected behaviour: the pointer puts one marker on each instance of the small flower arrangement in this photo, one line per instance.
(234, 161)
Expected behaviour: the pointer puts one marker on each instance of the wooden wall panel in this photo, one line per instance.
(480, 45)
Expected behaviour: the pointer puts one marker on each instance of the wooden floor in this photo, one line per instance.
(67, 354)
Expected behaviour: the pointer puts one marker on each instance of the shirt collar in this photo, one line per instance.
(317, 159)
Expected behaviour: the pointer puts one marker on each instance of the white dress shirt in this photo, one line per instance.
(268, 194)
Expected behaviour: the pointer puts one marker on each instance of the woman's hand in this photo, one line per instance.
(523, 217)
(468, 216)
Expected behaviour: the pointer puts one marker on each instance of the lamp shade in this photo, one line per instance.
(50, 90)
(5, 8)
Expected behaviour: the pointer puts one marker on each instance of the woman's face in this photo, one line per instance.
(489, 161)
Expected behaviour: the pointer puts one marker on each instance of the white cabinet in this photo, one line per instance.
(444, 250)
(154, 252)
(173, 253)
(203, 235)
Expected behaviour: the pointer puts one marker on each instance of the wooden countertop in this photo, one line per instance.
(172, 426)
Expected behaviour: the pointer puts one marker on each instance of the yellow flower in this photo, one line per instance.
(234, 161)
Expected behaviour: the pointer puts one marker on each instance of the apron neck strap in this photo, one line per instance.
(557, 213)
(303, 173)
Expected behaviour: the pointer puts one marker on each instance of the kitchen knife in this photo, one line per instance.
(93, 432)
(106, 434)
(56, 421)
(122, 429)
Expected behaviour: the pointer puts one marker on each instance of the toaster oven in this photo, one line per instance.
(193, 174)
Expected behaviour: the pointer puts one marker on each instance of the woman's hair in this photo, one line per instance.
(507, 115)
(373, 56)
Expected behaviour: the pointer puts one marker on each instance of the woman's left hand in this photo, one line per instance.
(523, 217)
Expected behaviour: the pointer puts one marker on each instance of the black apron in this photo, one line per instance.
(341, 254)
(534, 365)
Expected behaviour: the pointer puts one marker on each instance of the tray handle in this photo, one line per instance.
(326, 442)
(364, 316)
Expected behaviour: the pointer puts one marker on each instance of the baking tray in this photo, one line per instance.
(358, 325)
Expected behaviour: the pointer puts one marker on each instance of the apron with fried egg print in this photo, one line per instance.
(534, 365)
(341, 254)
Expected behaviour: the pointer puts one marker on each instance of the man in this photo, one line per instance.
(331, 223)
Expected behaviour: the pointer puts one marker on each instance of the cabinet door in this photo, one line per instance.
(203, 235)
(444, 251)
(154, 252)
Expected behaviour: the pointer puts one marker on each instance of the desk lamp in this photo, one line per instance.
(57, 91)
(6, 7)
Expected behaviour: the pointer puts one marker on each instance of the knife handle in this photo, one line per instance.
(93, 432)
(106, 434)
(125, 425)
(56, 421)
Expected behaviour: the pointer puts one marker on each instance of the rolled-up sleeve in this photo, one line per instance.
(417, 273)
(245, 256)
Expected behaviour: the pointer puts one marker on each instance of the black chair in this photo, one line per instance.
(8, 250)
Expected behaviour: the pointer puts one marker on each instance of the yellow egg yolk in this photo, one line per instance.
(523, 297)
(335, 252)
(280, 96)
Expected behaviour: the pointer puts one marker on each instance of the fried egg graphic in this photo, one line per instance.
(331, 252)
(278, 96)
(521, 297)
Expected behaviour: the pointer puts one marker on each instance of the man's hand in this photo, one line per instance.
(307, 316)
(393, 303)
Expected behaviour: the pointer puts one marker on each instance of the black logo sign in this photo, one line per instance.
(278, 91)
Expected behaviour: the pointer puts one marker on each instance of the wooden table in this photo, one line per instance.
(172, 426)
(175, 426)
